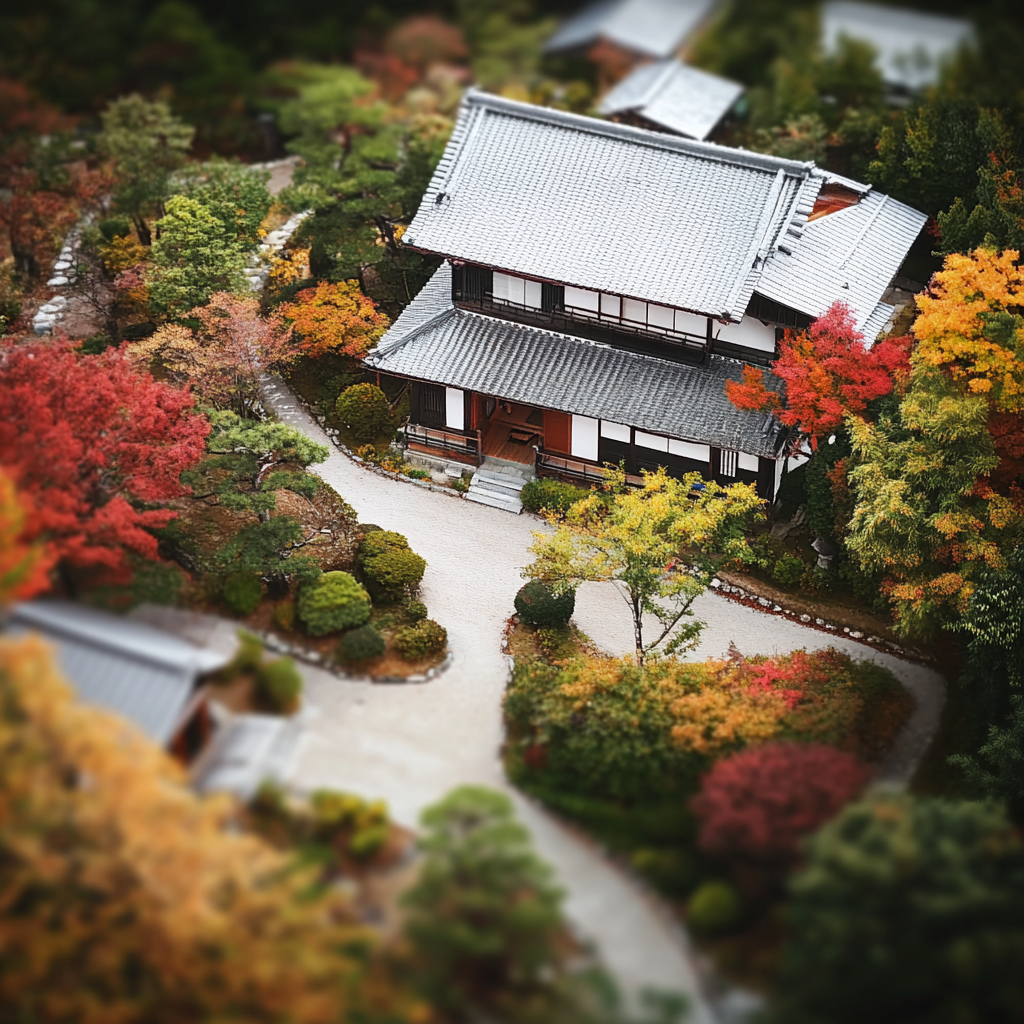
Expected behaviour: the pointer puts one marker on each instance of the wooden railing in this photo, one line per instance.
(564, 465)
(445, 440)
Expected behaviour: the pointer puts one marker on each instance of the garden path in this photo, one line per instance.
(410, 744)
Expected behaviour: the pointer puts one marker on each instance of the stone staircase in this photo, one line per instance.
(498, 482)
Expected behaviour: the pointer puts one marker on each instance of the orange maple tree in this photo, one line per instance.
(828, 371)
(336, 318)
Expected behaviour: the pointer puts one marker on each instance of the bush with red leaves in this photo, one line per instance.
(759, 803)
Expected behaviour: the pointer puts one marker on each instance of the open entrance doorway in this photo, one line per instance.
(510, 429)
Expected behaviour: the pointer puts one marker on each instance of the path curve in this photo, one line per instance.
(411, 744)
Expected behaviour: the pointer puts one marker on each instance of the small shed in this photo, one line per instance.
(671, 96)
(147, 676)
(911, 46)
(648, 28)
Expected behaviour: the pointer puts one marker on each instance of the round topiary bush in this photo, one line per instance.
(714, 907)
(788, 570)
(331, 602)
(243, 592)
(360, 644)
(279, 684)
(538, 605)
(363, 408)
(426, 637)
(377, 541)
(393, 574)
(415, 611)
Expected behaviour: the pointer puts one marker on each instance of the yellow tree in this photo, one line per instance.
(659, 543)
(23, 566)
(127, 898)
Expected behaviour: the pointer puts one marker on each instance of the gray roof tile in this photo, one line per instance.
(672, 94)
(652, 27)
(850, 256)
(536, 367)
(609, 207)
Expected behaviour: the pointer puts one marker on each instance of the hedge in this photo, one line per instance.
(334, 601)
(538, 605)
(243, 592)
(361, 644)
(363, 408)
(551, 495)
(279, 684)
(414, 643)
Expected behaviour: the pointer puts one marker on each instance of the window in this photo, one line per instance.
(690, 323)
(611, 306)
(584, 438)
(749, 333)
(552, 297)
(727, 466)
(581, 299)
(432, 405)
(454, 409)
(615, 431)
(471, 282)
(689, 450)
(659, 316)
(748, 463)
(652, 441)
(634, 310)
(532, 294)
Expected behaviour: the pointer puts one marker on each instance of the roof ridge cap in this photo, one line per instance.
(641, 136)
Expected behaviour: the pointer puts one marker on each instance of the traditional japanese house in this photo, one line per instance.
(602, 282)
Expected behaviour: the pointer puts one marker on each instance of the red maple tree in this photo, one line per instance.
(828, 371)
(89, 440)
(758, 804)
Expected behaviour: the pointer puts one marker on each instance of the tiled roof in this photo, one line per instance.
(609, 207)
(674, 95)
(910, 45)
(138, 672)
(652, 27)
(850, 255)
(434, 341)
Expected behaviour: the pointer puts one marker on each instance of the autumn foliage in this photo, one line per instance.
(225, 355)
(336, 318)
(129, 898)
(759, 803)
(828, 372)
(22, 566)
(89, 441)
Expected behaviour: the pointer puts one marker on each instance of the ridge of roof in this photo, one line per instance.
(641, 136)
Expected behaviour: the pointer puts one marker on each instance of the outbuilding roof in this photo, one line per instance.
(653, 28)
(435, 341)
(120, 665)
(911, 46)
(584, 202)
(675, 96)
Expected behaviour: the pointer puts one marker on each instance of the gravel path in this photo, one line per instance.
(410, 744)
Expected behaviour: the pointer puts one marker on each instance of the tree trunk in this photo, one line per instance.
(638, 631)
(142, 231)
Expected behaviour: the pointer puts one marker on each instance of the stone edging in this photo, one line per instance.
(332, 436)
(763, 604)
(274, 643)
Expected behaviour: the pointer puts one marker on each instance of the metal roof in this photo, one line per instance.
(585, 202)
(655, 28)
(674, 95)
(435, 341)
(141, 673)
(610, 207)
(911, 46)
(850, 256)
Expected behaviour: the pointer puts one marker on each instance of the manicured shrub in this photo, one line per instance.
(247, 657)
(550, 495)
(426, 637)
(909, 909)
(361, 644)
(537, 605)
(788, 570)
(377, 541)
(392, 574)
(714, 907)
(415, 611)
(284, 615)
(279, 684)
(242, 592)
(363, 408)
(760, 803)
(331, 602)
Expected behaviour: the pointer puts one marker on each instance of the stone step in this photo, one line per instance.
(506, 504)
(485, 478)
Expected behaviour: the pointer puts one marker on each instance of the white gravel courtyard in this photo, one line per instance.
(410, 744)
